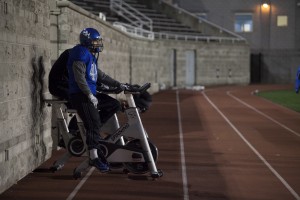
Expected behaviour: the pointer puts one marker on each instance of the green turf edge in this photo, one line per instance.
(286, 98)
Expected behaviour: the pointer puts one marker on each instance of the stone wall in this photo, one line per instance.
(25, 134)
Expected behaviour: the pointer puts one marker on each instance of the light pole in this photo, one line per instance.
(265, 8)
(265, 23)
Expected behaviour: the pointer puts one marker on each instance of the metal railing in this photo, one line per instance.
(134, 31)
(131, 14)
(170, 36)
(142, 33)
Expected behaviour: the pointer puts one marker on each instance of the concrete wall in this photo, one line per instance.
(280, 66)
(25, 133)
(32, 35)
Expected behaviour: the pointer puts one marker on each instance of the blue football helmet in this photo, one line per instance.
(91, 38)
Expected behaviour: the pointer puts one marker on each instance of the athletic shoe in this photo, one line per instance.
(102, 167)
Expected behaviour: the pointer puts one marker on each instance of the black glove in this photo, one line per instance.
(124, 86)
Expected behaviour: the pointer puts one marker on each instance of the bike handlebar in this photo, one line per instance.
(110, 90)
(130, 89)
(137, 90)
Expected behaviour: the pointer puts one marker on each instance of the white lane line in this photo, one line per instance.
(80, 184)
(182, 154)
(292, 191)
(263, 114)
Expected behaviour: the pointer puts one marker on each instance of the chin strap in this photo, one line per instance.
(97, 57)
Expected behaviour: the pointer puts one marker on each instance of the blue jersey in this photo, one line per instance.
(82, 54)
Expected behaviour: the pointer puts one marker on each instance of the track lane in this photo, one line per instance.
(161, 123)
(277, 145)
(219, 165)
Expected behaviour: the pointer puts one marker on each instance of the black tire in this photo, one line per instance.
(140, 167)
(76, 146)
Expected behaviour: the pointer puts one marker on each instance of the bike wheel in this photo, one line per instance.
(76, 146)
(140, 167)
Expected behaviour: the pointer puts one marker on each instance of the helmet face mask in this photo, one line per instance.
(91, 39)
(97, 46)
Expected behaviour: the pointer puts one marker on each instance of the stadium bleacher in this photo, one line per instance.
(161, 22)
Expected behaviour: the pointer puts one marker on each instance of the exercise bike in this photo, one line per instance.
(69, 137)
(136, 153)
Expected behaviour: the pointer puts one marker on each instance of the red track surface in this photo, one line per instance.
(224, 143)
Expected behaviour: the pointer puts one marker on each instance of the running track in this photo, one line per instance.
(220, 144)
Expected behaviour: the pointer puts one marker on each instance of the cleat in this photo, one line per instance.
(101, 166)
